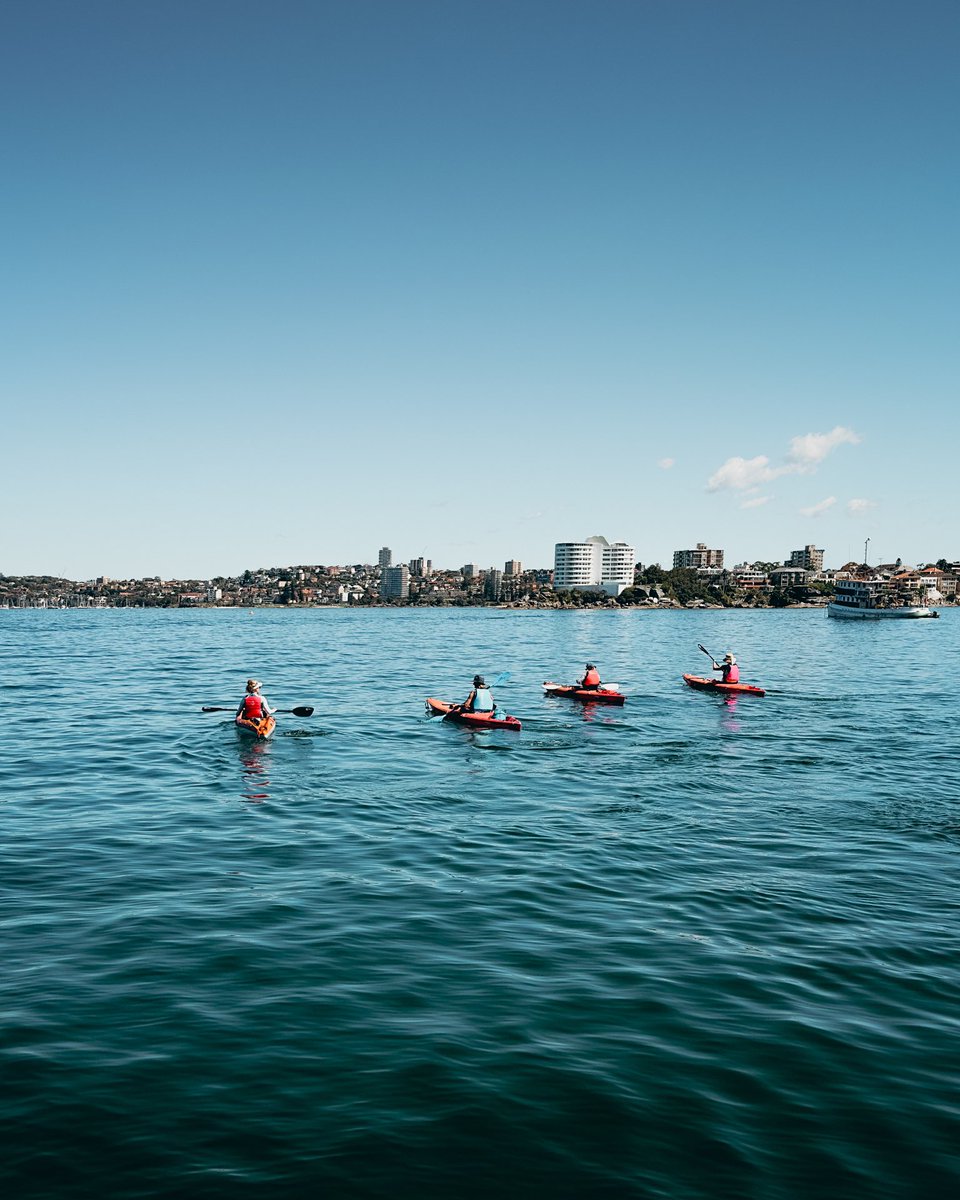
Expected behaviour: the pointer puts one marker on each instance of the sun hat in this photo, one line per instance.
(728, 657)
(478, 681)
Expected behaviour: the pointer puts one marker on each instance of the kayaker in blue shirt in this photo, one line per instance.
(480, 699)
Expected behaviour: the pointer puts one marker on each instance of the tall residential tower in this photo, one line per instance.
(395, 584)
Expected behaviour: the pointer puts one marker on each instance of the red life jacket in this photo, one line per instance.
(252, 708)
(591, 679)
(731, 673)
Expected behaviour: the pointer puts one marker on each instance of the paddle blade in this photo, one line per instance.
(215, 708)
(305, 710)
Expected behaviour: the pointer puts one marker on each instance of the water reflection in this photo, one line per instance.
(598, 712)
(728, 714)
(589, 711)
(254, 764)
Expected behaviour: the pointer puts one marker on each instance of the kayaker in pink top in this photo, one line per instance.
(730, 670)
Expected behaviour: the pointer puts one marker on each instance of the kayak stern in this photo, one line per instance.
(261, 728)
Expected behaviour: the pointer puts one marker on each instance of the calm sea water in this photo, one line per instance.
(689, 948)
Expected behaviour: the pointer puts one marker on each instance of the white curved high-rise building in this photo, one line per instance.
(594, 564)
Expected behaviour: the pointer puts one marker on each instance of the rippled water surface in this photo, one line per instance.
(687, 948)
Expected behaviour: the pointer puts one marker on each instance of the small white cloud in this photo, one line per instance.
(856, 507)
(666, 463)
(741, 473)
(810, 449)
(804, 456)
(756, 501)
(817, 510)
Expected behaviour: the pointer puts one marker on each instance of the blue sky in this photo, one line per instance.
(287, 282)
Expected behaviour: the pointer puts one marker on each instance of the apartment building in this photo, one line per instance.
(395, 583)
(594, 564)
(809, 558)
(700, 559)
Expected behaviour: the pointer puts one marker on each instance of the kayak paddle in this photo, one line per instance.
(304, 710)
(707, 653)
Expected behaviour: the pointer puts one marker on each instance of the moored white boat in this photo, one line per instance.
(874, 599)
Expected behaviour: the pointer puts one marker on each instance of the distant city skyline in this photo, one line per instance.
(575, 563)
(471, 280)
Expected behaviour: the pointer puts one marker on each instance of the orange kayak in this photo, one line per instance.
(587, 695)
(261, 728)
(477, 720)
(714, 685)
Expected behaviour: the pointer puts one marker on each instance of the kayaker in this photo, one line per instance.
(592, 678)
(730, 670)
(253, 707)
(480, 699)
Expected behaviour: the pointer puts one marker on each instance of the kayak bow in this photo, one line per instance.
(715, 685)
(440, 708)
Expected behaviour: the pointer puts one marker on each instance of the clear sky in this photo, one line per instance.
(284, 282)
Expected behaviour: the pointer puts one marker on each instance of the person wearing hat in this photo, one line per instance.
(253, 706)
(480, 699)
(730, 670)
(591, 680)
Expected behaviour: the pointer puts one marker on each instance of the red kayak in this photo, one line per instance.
(714, 685)
(587, 695)
(477, 720)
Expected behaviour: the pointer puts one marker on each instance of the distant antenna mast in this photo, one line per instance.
(865, 545)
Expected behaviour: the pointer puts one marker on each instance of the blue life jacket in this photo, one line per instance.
(483, 700)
